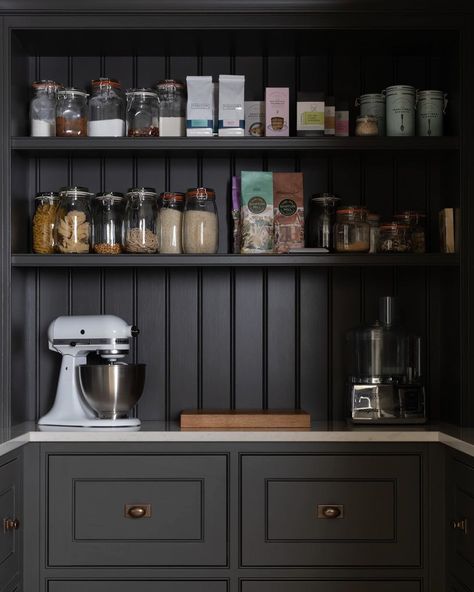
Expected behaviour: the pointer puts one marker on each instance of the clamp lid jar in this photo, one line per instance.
(71, 112)
(201, 228)
(107, 223)
(352, 231)
(394, 237)
(172, 95)
(321, 220)
(416, 221)
(46, 209)
(107, 108)
(141, 220)
(143, 112)
(43, 108)
(72, 228)
(171, 222)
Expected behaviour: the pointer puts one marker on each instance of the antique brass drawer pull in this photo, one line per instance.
(330, 512)
(460, 525)
(10, 524)
(138, 511)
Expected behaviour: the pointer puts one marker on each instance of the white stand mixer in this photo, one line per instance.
(74, 337)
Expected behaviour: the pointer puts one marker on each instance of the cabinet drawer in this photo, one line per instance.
(330, 586)
(137, 586)
(9, 509)
(284, 517)
(92, 501)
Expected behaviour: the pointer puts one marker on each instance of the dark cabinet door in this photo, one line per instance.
(323, 510)
(331, 586)
(137, 510)
(460, 515)
(10, 500)
(137, 586)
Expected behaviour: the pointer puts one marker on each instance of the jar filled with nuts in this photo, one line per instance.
(141, 221)
(72, 228)
(107, 223)
(394, 237)
(46, 208)
(352, 231)
(416, 222)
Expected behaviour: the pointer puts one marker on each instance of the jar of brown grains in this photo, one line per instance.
(71, 112)
(107, 223)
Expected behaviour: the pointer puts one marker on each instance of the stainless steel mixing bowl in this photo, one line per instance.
(112, 389)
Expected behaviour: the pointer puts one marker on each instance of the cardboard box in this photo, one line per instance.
(277, 111)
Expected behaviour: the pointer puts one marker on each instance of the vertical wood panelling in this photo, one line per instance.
(150, 69)
(86, 296)
(216, 173)
(84, 70)
(252, 67)
(119, 299)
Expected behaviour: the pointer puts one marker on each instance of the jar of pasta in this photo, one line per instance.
(72, 227)
(141, 221)
(46, 208)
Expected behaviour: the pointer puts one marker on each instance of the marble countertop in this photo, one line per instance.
(461, 439)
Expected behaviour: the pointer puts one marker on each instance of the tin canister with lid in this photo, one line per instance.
(400, 110)
(373, 105)
(430, 110)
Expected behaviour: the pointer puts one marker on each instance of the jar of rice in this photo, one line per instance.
(200, 224)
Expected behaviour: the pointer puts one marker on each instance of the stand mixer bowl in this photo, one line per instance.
(111, 390)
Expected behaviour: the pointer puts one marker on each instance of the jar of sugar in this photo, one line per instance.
(43, 108)
(107, 107)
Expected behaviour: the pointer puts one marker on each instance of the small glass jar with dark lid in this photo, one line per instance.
(171, 222)
(43, 108)
(394, 237)
(143, 112)
(416, 222)
(46, 209)
(107, 223)
(200, 226)
(72, 228)
(352, 231)
(141, 221)
(71, 112)
(321, 220)
(107, 107)
(172, 94)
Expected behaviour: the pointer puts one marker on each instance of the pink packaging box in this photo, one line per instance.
(277, 109)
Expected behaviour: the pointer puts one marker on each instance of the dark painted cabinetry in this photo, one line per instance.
(10, 522)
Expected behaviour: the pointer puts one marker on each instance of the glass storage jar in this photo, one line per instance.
(46, 209)
(374, 223)
(143, 112)
(321, 220)
(72, 228)
(71, 112)
(367, 126)
(107, 108)
(171, 222)
(352, 231)
(172, 94)
(43, 108)
(416, 222)
(200, 224)
(141, 221)
(107, 223)
(394, 237)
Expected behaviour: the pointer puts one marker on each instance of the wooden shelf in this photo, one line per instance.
(222, 260)
(117, 146)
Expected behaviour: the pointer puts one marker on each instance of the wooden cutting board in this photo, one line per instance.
(250, 419)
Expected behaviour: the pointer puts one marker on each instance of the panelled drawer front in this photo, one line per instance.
(330, 586)
(9, 540)
(379, 499)
(184, 497)
(137, 586)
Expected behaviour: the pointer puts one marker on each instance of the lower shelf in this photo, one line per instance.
(224, 260)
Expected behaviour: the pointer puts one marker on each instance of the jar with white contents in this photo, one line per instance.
(200, 229)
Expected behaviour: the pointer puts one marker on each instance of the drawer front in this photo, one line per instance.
(9, 509)
(331, 586)
(137, 586)
(93, 503)
(287, 502)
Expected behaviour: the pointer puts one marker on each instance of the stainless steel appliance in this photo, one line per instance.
(384, 372)
(100, 395)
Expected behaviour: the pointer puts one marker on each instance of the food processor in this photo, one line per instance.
(384, 374)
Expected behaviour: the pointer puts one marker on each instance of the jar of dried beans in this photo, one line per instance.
(46, 208)
(72, 227)
(107, 223)
(141, 221)
(171, 222)
(71, 112)
(352, 231)
(143, 112)
(200, 228)
(394, 237)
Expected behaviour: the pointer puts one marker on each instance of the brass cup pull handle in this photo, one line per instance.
(10, 524)
(460, 525)
(330, 512)
(138, 511)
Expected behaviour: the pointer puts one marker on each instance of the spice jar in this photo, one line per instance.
(171, 222)
(141, 221)
(72, 230)
(394, 237)
(200, 224)
(172, 95)
(321, 220)
(374, 222)
(71, 112)
(107, 108)
(352, 231)
(366, 126)
(107, 223)
(43, 108)
(416, 223)
(373, 105)
(143, 111)
(46, 208)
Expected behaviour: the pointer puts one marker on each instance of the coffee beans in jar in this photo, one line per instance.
(46, 209)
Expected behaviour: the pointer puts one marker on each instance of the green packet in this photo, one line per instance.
(257, 212)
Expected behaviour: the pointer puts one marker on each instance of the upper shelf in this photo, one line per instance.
(223, 260)
(54, 146)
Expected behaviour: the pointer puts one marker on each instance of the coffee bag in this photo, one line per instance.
(288, 198)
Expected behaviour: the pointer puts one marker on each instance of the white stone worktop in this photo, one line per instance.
(461, 439)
